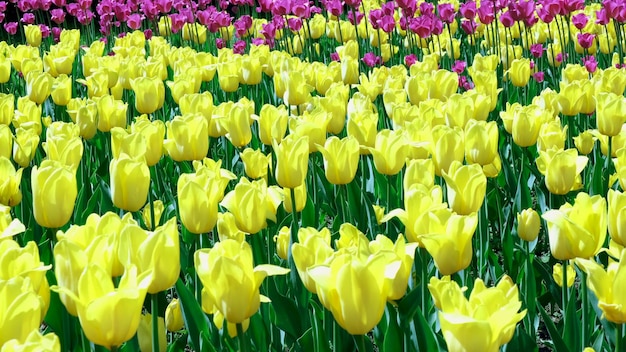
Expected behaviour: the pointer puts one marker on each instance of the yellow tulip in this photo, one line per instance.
(54, 193)
(557, 274)
(251, 70)
(109, 316)
(585, 142)
(608, 286)
(5, 69)
(7, 108)
(528, 225)
(6, 141)
(551, 135)
(38, 86)
(70, 261)
(198, 197)
(578, 230)
(292, 160)
(146, 214)
(144, 333)
(282, 242)
(350, 70)
(610, 113)
(485, 321)
(255, 163)
(301, 198)
(419, 202)
(33, 35)
(481, 142)
(341, 159)
(59, 60)
(313, 125)
(227, 228)
(355, 289)
(419, 171)
(448, 146)
(153, 133)
(97, 84)
(362, 125)
(252, 203)
(272, 122)
(21, 307)
(111, 113)
(519, 72)
(61, 90)
(10, 193)
(617, 216)
(198, 103)
(174, 316)
(561, 169)
(571, 98)
(130, 182)
(228, 76)
(230, 279)
(401, 251)
(466, 185)
(459, 110)
(187, 137)
(149, 94)
(35, 341)
(237, 125)
(313, 248)
(390, 151)
(449, 240)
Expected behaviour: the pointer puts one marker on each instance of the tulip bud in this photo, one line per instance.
(519, 72)
(25, 146)
(282, 242)
(10, 193)
(272, 122)
(528, 225)
(301, 198)
(174, 316)
(585, 142)
(557, 274)
(292, 156)
(561, 169)
(611, 113)
(187, 137)
(466, 185)
(33, 35)
(54, 193)
(146, 214)
(149, 94)
(448, 147)
(7, 108)
(111, 113)
(144, 333)
(130, 182)
(62, 90)
(341, 159)
(6, 141)
(481, 142)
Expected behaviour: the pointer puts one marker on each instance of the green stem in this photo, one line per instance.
(243, 342)
(67, 339)
(619, 334)
(585, 302)
(154, 298)
(360, 342)
(530, 305)
(564, 290)
(151, 200)
(607, 165)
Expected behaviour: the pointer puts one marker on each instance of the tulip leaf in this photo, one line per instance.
(607, 327)
(258, 332)
(571, 331)
(320, 341)
(521, 342)
(421, 333)
(306, 340)
(557, 340)
(179, 344)
(287, 317)
(195, 320)
(392, 340)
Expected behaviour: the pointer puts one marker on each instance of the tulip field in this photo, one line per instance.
(312, 175)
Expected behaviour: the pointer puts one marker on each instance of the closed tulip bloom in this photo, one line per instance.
(109, 316)
(617, 216)
(54, 193)
(350, 70)
(35, 341)
(252, 203)
(255, 163)
(448, 146)
(199, 103)
(419, 171)
(33, 35)
(153, 133)
(481, 142)
(97, 84)
(301, 198)
(149, 94)
(313, 248)
(21, 309)
(362, 125)
(38, 86)
(585, 142)
(67, 151)
(551, 135)
(231, 280)
(187, 137)
(608, 285)
(111, 113)
(557, 274)
(282, 242)
(485, 321)
(561, 169)
(69, 262)
(156, 252)
(6, 141)
(62, 90)
(28, 115)
(227, 228)
(313, 125)
(578, 230)
(341, 159)
(390, 151)
(449, 240)
(528, 225)
(174, 316)
(401, 251)
(466, 186)
(292, 160)
(519, 72)
(228, 76)
(571, 98)
(238, 125)
(130, 182)
(354, 289)
(7, 108)
(273, 123)
(5, 69)
(144, 333)
(198, 197)
(10, 193)
(610, 113)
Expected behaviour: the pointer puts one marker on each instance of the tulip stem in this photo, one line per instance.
(585, 302)
(618, 336)
(154, 298)
(360, 342)
(243, 343)
(564, 290)
(607, 165)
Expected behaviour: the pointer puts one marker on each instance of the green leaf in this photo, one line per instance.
(195, 320)
(409, 311)
(571, 331)
(179, 344)
(393, 339)
(287, 317)
(557, 340)
(320, 341)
